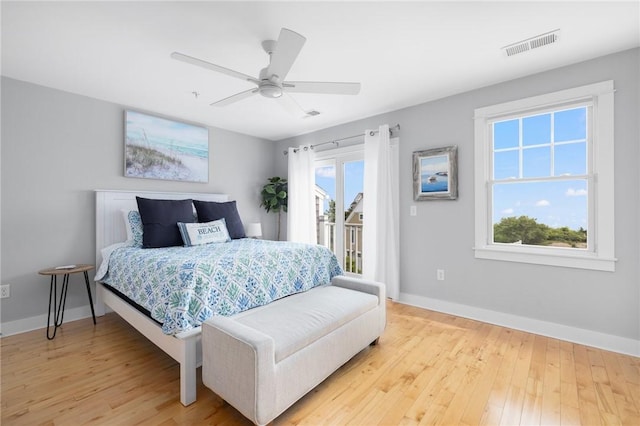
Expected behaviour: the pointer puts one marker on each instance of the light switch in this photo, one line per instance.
(413, 211)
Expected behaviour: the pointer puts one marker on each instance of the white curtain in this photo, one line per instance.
(381, 252)
(301, 220)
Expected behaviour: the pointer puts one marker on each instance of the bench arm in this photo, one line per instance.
(358, 284)
(241, 362)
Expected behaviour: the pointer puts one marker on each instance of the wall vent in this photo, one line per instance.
(532, 43)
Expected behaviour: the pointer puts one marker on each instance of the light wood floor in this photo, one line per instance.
(428, 368)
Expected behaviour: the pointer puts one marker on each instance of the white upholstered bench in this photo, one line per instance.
(263, 360)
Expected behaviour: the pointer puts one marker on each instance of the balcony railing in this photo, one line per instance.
(352, 252)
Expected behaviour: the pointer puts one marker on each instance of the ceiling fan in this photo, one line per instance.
(271, 81)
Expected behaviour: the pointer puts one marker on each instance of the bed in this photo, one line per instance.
(235, 276)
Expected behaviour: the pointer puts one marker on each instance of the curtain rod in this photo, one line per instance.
(337, 141)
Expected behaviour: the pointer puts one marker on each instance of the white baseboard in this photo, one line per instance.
(40, 321)
(557, 331)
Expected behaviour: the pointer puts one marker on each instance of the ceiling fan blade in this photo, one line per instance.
(291, 106)
(213, 67)
(234, 98)
(287, 49)
(322, 87)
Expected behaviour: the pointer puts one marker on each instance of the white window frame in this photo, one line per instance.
(600, 255)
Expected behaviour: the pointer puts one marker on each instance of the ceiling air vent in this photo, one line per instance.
(532, 43)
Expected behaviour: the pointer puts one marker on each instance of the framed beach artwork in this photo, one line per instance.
(160, 148)
(435, 174)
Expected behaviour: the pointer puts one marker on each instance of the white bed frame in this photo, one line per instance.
(186, 348)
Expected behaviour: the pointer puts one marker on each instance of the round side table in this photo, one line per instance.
(53, 291)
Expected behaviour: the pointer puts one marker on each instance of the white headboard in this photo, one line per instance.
(110, 221)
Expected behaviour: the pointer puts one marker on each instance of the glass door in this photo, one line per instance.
(339, 196)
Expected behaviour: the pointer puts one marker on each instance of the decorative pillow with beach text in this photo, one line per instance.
(194, 234)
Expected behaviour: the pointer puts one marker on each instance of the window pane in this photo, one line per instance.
(505, 134)
(541, 213)
(536, 130)
(570, 125)
(326, 205)
(536, 162)
(505, 165)
(353, 181)
(571, 159)
(353, 196)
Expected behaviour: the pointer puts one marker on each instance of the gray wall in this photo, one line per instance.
(441, 236)
(57, 148)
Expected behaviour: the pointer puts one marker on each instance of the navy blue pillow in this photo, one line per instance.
(208, 211)
(160, 221)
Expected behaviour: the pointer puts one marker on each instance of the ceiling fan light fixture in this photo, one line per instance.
(270, 90)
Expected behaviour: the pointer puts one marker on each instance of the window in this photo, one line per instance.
(544, 179)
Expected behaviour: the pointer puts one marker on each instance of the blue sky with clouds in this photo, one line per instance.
(542, 146)
(353, 181)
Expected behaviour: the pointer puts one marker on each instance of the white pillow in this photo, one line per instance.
(194, 234)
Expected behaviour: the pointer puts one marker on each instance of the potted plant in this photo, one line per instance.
(274, 197)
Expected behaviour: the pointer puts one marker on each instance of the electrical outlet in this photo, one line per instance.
(413, 211)
(5, 291)
(440, 274)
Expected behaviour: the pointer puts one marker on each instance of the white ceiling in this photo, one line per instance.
(403, 53)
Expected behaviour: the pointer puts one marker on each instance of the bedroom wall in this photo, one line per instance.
(57, 148)
(589, 306)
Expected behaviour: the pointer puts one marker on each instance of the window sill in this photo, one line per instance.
(552, 258)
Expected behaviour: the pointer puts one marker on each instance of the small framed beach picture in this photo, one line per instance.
(435, 174)
(160, 148)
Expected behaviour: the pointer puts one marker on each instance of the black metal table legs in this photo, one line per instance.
(58, 309)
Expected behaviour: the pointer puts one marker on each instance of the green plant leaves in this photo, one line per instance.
(274, 195)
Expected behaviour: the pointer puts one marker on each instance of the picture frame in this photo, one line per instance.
(161, 148)
(435, 174)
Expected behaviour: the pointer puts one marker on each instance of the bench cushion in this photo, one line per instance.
(310, 316)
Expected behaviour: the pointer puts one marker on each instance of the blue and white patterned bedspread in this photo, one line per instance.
(184, 286)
